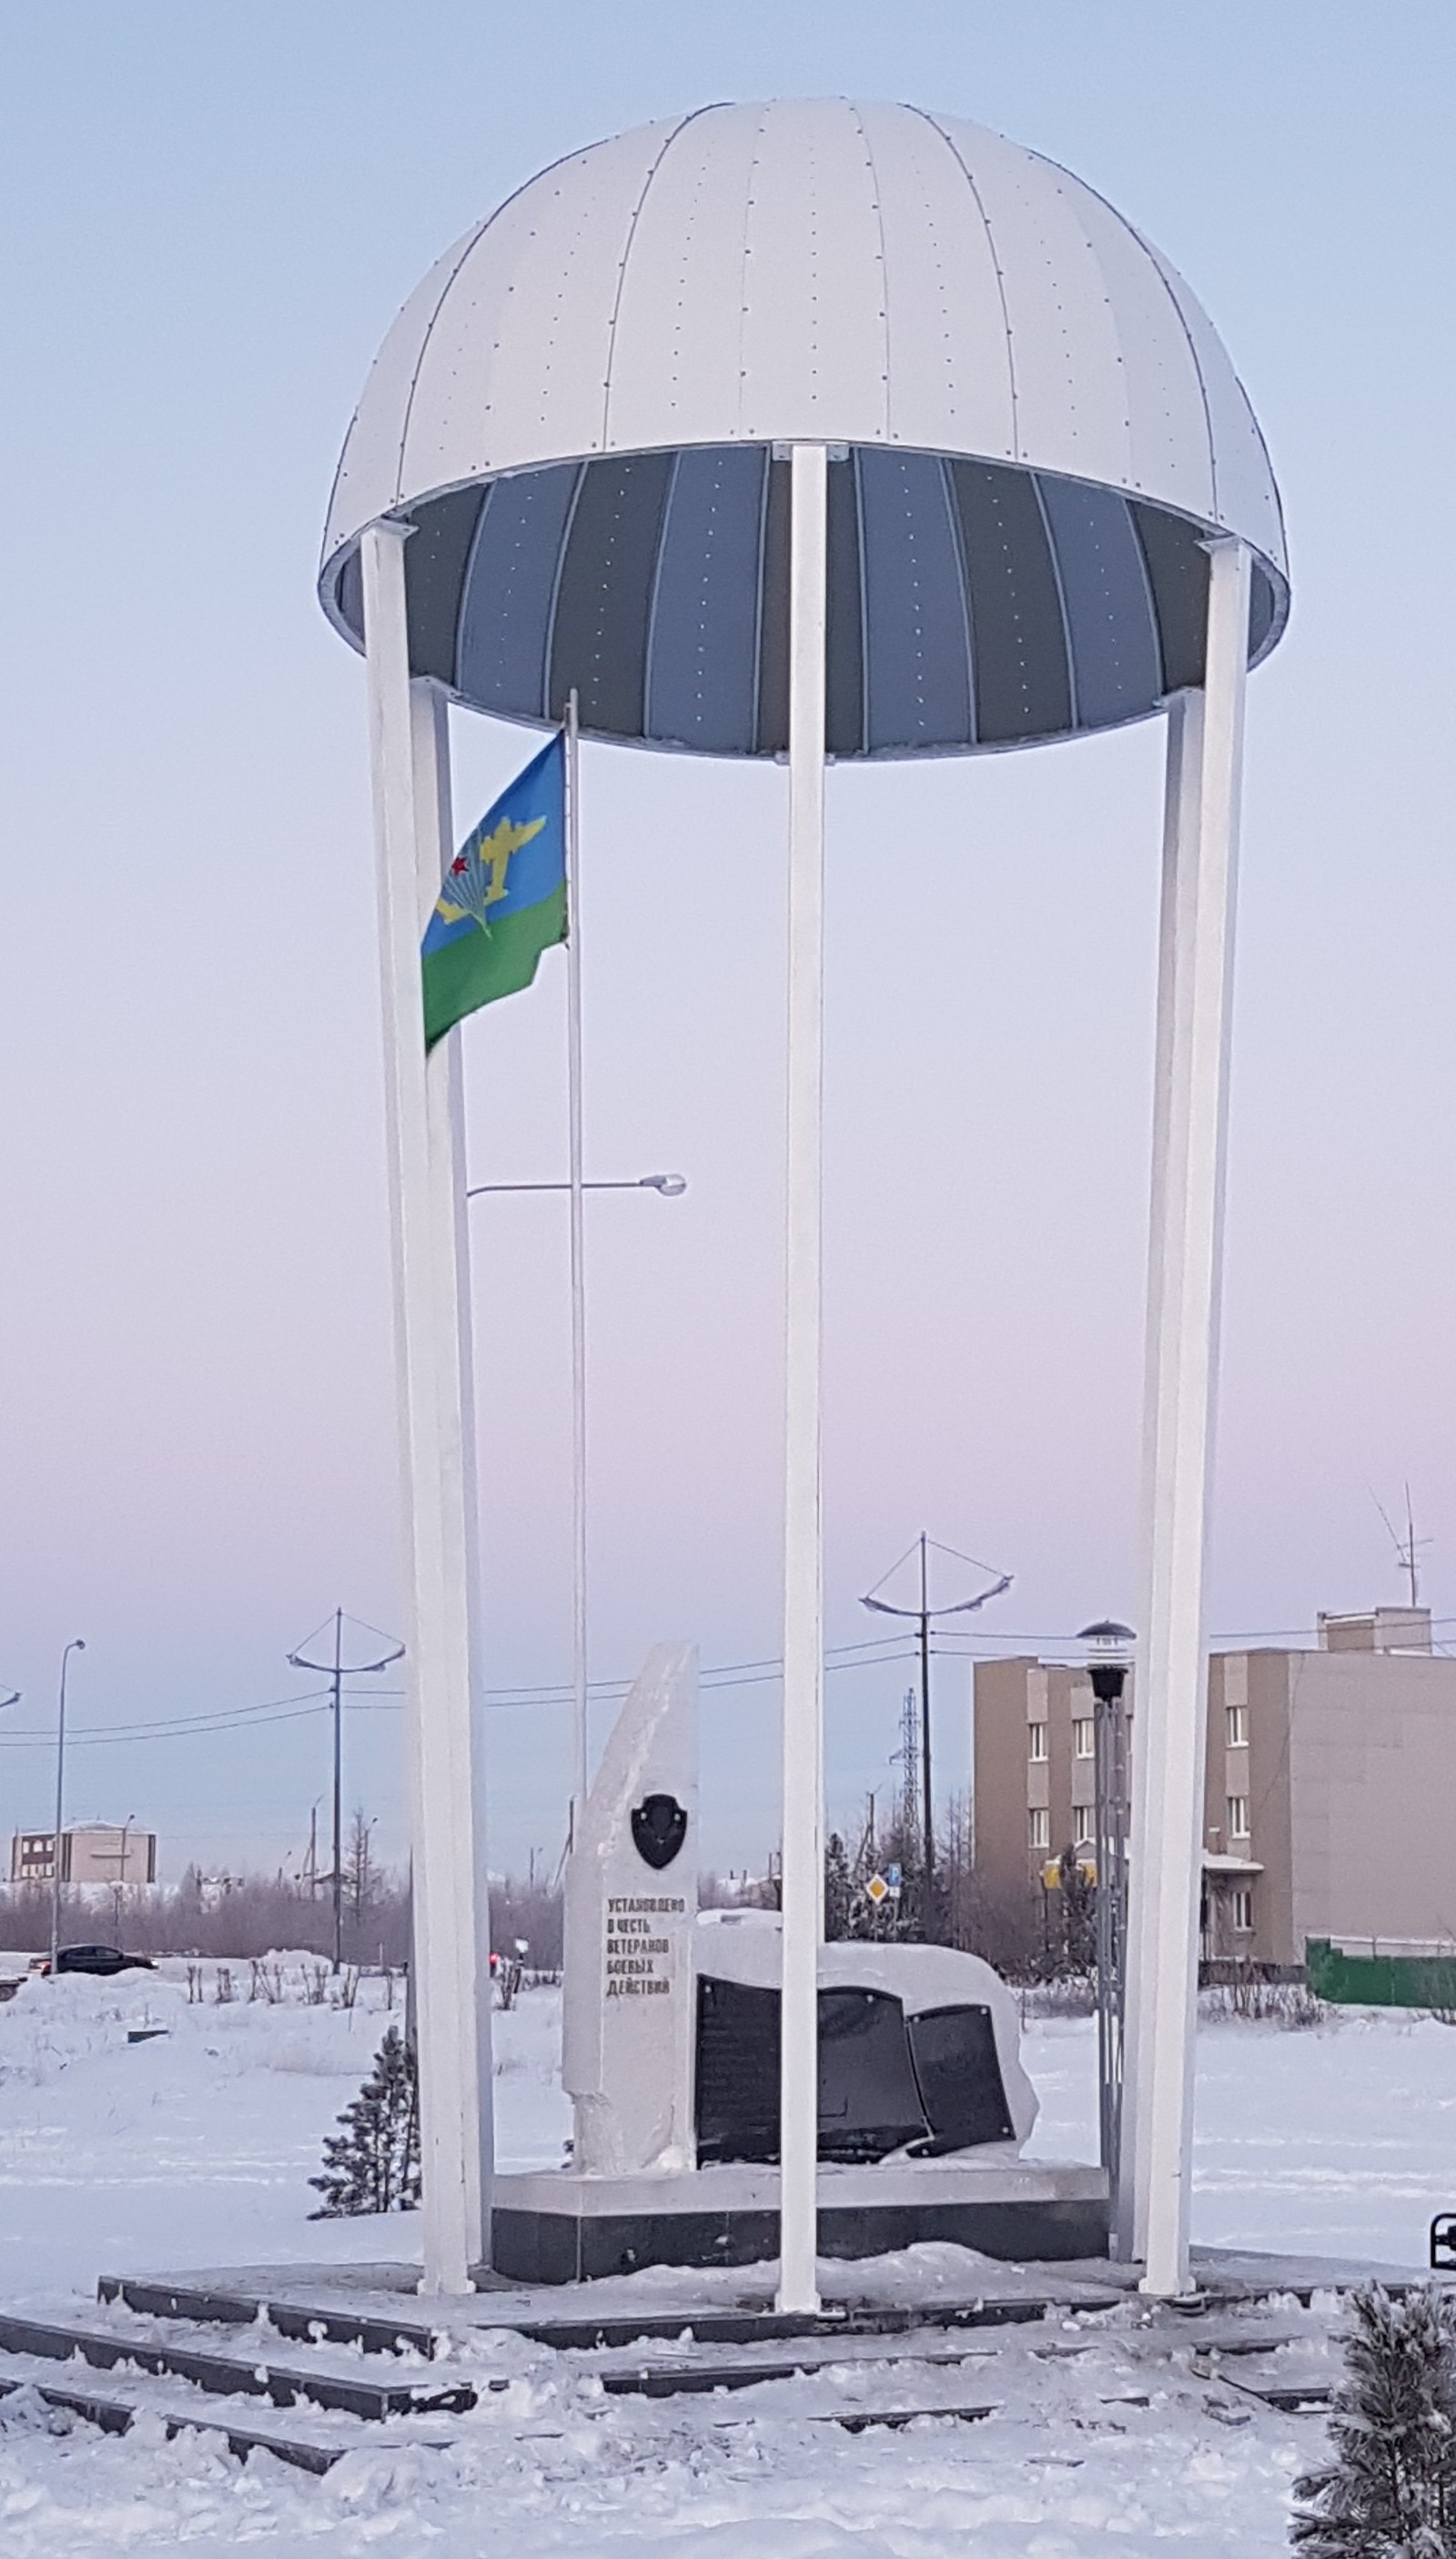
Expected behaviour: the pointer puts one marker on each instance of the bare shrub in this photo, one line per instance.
(1252, 1998)
(527, 1913)
(1074, 1995)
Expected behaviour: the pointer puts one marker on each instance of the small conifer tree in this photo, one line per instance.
(1390, 2490)
(837, 1888)
(1078, 1914)
(374, 2163)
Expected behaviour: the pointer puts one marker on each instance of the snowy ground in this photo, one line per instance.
(195, 2148)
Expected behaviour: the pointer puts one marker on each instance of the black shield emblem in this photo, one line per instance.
(658, 1827)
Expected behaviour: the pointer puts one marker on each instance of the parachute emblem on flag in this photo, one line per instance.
(503, 899)
(477, 878)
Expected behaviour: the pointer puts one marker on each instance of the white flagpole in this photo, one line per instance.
(803, 1594)
(579, 1769)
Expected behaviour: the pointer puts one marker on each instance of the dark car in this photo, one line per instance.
(99, 1959)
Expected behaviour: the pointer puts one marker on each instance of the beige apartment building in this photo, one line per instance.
(90, 1853)
(1329, 1792)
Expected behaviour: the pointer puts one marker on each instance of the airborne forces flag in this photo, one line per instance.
(503, 901)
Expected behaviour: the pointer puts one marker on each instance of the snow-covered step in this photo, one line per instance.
(1293, 2394)
(857, 2421)
(324, 2312)
(209, 2368)
(675, 2380)
(214, 2306)
(766, 2328)
(116, 2413)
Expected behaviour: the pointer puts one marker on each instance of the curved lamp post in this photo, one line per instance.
(12, 1697)
(75, 1646)
(809, 428)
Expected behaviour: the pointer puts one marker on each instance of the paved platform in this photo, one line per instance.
(379, 2306)
(344, 2354)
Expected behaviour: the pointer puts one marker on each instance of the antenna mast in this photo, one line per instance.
(1407, 1548)
(1408, 1559)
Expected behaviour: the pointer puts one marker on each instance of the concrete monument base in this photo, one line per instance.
(559, 2227)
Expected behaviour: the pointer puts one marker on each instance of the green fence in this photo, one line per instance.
(1379, 1981)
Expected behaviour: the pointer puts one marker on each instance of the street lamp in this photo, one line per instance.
(1107, 1664)
(75, 1646)
(670, 1185)
(11, 1697)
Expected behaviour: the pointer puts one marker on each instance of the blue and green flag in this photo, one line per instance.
(504, 898)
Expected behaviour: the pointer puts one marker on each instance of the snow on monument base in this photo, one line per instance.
(560, 2228)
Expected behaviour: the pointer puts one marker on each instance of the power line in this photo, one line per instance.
(278, 1710)
(874, 1653)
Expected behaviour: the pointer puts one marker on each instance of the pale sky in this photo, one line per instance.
(209, 218)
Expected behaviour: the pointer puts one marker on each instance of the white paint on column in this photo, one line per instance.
(409, 766)
(630, 2004)
(1201, 843)
(1180, 828)
(804, 1604)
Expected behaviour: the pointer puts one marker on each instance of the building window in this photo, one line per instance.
(1036, 1742)
(1237, 1727)
(1084, 1738)
(1242, 1901)
(1082, 1824)
(1238, 1817)
(1041, 1823)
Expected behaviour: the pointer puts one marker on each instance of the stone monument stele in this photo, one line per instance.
(630, 1998)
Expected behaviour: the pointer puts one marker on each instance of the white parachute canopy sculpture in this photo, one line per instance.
(809, 429)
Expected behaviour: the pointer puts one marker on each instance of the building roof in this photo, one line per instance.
(578, 405)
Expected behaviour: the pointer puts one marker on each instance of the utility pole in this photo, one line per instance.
(300, 1661)
(338, 1869)
(118, 1889)
(75, 1646)
(924, 1614)
(927, 1800)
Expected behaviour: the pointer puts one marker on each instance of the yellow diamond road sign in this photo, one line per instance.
(877, 1888)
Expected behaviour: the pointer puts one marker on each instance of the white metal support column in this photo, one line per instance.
(580, 1716)
(803, 1604)
(1199, 869)
(409, 756)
